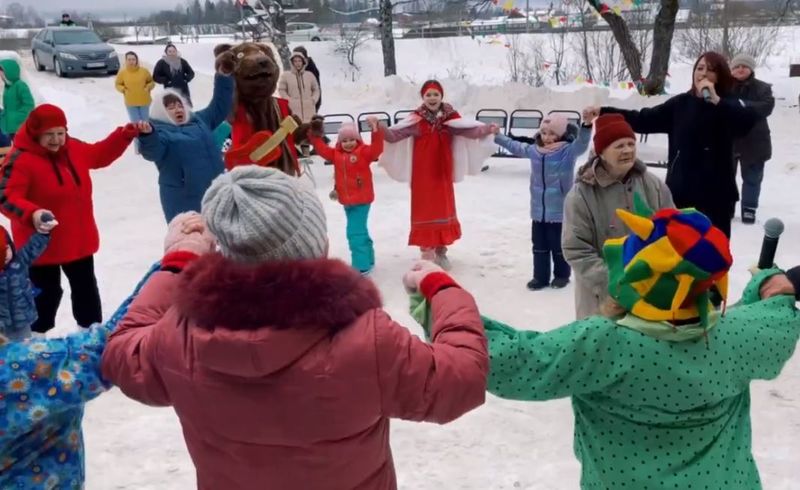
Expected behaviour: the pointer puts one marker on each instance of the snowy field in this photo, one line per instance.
(504, 444)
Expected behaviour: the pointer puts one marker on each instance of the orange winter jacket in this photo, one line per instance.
(352, 173)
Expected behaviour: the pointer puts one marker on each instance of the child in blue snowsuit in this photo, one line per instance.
(183, 147)
(552, 159)
(17, 306)
(44, 384)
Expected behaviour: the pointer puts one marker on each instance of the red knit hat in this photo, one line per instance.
(43, 118)
(610, 128)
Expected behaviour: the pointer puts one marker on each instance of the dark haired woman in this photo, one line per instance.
(135, 83)
(701, 125)
(172, 71)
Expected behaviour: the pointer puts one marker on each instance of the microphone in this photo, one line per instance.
(772, 231)
(707, 97)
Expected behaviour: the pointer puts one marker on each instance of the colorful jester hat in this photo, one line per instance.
(666, 267)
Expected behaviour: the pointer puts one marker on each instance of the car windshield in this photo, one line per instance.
(76, 37)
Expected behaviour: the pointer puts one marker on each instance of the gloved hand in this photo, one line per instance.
(418, 272)
(317, 125)
(187, 232)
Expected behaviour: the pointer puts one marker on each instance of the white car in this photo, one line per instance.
(302, 31)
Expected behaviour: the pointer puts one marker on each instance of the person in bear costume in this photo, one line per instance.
(255, 108)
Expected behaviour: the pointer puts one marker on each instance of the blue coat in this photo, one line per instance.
(17, 308)
(552, 174)
(186, 155)
(44, 384)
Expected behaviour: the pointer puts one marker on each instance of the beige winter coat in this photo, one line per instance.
(590, 219)
(300, 88)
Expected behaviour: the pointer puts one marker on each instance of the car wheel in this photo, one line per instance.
(58, 69)
(315, 39)
(38, 64)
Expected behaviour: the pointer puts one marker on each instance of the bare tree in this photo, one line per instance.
(663, 29)
(350, 40)
(526, 62)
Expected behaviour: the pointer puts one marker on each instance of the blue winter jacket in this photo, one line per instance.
(552, 174)
(44, 384)
(186, 155)
(17, 308)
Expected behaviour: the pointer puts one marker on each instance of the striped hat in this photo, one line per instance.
(665, 268)
(261, 214)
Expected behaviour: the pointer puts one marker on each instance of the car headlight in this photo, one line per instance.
(112, 54)
(68, 56)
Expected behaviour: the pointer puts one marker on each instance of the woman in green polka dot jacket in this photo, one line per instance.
(660, 384)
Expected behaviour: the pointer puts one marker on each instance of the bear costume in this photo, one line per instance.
(255, 107)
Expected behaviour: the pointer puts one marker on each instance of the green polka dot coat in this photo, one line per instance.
(655, 407)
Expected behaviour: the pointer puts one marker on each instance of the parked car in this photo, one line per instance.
(298, 32)
(73, 50)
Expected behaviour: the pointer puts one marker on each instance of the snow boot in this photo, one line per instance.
(748, 216)
(441, 258)
(536, 285)
(559, 282)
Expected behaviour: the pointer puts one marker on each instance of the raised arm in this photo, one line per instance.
(221, 102)
(514, 147)
(656, 119)
(104, 153)
(375, 147)
(395, 134)
(321, 148)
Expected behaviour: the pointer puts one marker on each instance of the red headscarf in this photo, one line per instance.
(429, 85)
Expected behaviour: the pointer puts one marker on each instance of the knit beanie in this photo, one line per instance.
(664, 269)
(44, 118)
(261, 214)
(349, 130)
(609, 128)
(556, 123)
(745, 60)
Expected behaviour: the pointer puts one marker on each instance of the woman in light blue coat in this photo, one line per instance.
(553, 157)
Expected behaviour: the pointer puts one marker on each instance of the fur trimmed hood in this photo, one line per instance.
(251, 322)
(217, 292)
(158, 112)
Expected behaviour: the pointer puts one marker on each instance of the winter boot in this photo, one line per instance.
(536, 285)
(748, 215)
(559, 282)
(441, 258)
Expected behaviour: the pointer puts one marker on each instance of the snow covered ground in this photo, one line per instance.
(502, 445)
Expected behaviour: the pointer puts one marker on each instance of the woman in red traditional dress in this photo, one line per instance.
(444, 148)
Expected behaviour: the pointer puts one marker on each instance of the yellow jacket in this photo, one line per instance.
(136, 84)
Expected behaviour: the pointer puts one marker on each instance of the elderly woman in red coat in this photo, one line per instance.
(432, 149)
(47, 172)
(282, 365)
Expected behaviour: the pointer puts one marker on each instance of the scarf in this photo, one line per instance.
(174, 62)
(438, 118)
(551, 148)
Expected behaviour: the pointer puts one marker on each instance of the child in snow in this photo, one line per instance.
(18, 309)
(353, 183)
(552, 159)
(181, 142)
(17, 98)
(660, 383)
(444, 149)
(44, 384)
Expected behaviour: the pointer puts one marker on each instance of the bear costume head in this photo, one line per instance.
(256, 73)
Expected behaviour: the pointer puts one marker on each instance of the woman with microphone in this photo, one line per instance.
(702, 125)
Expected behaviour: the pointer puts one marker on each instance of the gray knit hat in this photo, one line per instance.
(745, 60)
(259, 214)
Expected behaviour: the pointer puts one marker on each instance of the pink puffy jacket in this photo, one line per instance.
(284, 376)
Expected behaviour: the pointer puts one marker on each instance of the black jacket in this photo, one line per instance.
(312, 67)
(162, 75)
(756, 147)
(701, 172)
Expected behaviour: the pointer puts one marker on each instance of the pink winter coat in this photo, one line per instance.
(284, 375)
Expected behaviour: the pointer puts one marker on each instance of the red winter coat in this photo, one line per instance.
(34, 178)
(352, 173)
(284, 375)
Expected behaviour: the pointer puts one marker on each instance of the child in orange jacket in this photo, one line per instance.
(351, 160)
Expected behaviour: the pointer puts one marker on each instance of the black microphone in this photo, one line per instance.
(706, 94)
(772, 231)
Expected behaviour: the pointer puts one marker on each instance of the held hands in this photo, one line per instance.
(418, 272)
(777, 285)
(44, 221)
(590, 114)
(187, 232)
(144, 127)
(703, 84)
(494, 128)
(373, 123)
(317, 125)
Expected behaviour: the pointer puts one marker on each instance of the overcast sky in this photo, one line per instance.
(130, 7)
